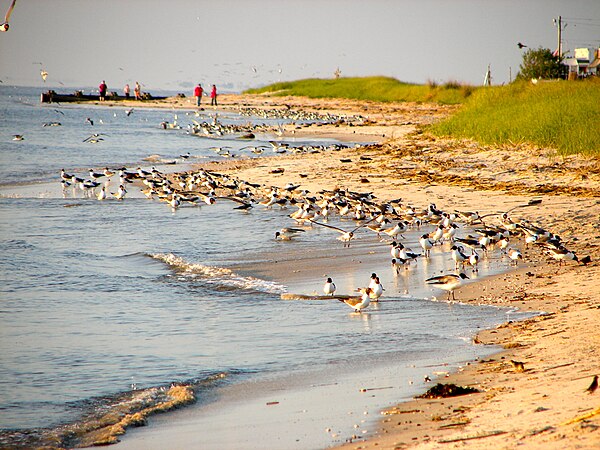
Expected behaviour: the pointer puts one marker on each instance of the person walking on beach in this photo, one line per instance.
(126, 91)
(213, 96)
(198, 94)
(102, 90)
(137, 91)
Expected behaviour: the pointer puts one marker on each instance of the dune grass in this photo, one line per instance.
(564, 115)
(378, 89)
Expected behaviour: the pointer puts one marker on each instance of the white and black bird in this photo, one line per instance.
(448, 282)
(562, 255)
(514, 254)
(376, 288)
(426, 244)
(287, 234)
(329, 287)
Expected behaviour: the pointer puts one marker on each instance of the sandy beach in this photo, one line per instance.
(541, 403)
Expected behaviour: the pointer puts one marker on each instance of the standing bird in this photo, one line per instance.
(120, 195)
(5, 26)
(361, 303)
(329, 287)
(376, 288)
(426, 244)
(447, 282)
(593, 386)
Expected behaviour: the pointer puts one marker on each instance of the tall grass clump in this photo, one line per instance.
(564, 115)
(378, 89)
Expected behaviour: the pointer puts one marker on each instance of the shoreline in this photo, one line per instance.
(559, 349)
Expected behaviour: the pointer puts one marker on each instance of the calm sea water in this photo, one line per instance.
(99, 298)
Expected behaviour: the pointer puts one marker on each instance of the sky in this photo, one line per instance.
(237, 44)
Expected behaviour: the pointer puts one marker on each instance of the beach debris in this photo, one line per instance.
(272, 403)
(374, 389)
(346, 160)
(592, 388)
(477, 436)
(278, 170)
(441, 390)
(518, 365)
(582, 418)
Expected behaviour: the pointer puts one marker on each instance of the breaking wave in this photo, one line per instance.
(219, 278)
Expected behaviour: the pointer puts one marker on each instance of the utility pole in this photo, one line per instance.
(559, 24)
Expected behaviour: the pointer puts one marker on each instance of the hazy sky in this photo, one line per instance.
(174, 44)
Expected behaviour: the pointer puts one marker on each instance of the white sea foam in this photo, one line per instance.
(218, 276)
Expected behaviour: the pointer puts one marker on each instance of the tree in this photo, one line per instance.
(540, 63)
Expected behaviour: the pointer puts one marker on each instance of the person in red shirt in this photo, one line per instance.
(213, 96)
(102, 90)
(198, 94)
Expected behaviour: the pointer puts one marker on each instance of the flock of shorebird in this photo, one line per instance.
(387, 219)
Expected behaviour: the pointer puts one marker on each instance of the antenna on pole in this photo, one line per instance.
(560, 26)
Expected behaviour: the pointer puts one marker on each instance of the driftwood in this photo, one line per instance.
(470, 438)
(289, 296)
(581, 418)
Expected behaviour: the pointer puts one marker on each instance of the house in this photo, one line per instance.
(584, 63)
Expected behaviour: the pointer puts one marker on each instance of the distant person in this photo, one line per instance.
(198, 94)
(126, 91)
(137, 91)
(102, 90)
(213, 96)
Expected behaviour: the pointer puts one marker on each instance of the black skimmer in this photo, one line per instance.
(287, 234)
(448, 282)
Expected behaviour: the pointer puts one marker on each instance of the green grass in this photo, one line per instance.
(378, 89)
(563, 115)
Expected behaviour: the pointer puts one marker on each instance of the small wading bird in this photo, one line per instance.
(287, 234)
(361, 303)
(329, 287)
(447, 282)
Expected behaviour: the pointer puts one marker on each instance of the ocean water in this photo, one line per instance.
(101, 301)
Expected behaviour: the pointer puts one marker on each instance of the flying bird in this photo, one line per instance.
(5, 26)
(520, 45)
(44, 74)
(345, 236)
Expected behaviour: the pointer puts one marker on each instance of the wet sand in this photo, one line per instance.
(545, 405)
